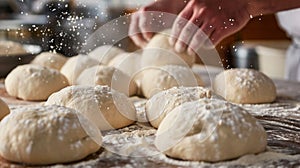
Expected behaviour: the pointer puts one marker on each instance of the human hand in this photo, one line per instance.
(151, 19)
(204, 23)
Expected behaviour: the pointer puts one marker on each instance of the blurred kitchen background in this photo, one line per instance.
(63, 25)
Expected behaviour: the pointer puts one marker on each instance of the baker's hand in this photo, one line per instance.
(206, 20)
(151, 19)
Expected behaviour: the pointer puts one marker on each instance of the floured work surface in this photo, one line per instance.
(133, 146)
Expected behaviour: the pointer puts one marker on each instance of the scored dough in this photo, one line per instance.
(210, 130)
(50, 59)
(103, 106)
(8, 48)
(4, 110)
(104, 75)
(158, 106)
(159, 52)
(75, 65)
(104, 54)
(34, 82)
(245, 86)
(41, 135)
(156, 79)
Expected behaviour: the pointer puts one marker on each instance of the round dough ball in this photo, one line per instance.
(41, 135)
(11, 48)
(158, 106)
(210, 130)
(104, 54)
(156, 79)
(75, 65)
(104, 75)
(129, 63)
(50, 59)
(103, 106)
(159, 52)
(245, 86)
(4, 110)
(34, 82)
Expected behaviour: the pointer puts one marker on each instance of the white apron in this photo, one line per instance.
(290, 21)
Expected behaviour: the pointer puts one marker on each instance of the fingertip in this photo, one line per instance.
(172, 41)
(179, 47)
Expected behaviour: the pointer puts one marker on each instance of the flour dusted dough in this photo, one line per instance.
(156, 79)
(103, 106)
(245, 86)
(159, 52)
(110, 76)
(50, 59)
(4, 110)
(158, 106)
(104, 54)
(210, 130)
(129, 63)
(75, 65)
(41, 135)
(34, 82)
(11, 48)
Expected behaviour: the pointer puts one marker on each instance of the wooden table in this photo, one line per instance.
(133, 146)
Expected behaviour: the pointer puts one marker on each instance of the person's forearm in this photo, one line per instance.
(260, 7)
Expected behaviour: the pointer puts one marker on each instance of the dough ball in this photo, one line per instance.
(104, 54)
(104, 75)
(11, 48)
(245, 86)
(34, 82)
(156, 79)
(210, 130)
(159, 52)
(103, 106)
(129, 63)
(75, 65)
(41, 135)
(4, 110)
(50, 59)
(158, 106)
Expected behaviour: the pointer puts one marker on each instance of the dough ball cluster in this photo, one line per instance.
(245, 86)
(50, 59)
(34, 82)
(104, 54)
(41, 135)
(75, 65)
(110, 76)
(103, 106)
(210, 130)
(159, 52)
(161, 104)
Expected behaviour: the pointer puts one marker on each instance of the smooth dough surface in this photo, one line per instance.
(11, 48)
(129, 63)
(4, 110)
(110, 76)
(216, 131)
(157, 79)
(75, 65)
(245, 86)
(103, 106)
(34, 82)
(50, 59)
(159, 52)
(104, 54)
(41, 135)
(158, 106)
